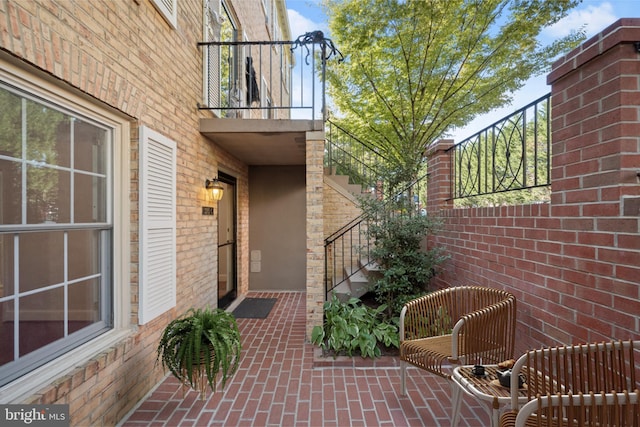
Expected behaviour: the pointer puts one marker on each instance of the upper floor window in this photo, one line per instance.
(267, 7)
(222, 72)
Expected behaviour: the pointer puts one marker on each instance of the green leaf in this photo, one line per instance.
(202, 342)
(416, 69)
(317, 335)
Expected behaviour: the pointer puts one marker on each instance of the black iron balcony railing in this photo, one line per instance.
(512, 154)
(266, 79)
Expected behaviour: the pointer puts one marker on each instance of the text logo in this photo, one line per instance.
(34, 415)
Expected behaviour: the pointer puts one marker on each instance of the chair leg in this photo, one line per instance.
(403, 374)
(456, 400)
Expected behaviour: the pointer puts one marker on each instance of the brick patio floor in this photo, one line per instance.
(279, 384)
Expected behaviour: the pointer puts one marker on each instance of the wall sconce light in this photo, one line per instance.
(216, 189)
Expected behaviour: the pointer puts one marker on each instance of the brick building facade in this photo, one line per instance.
(132, 78)
(131, 74)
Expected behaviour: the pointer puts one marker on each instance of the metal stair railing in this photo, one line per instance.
(348, 250)
(345, 154)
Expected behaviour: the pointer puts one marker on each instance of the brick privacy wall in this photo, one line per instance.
(573, 264)
(124, 54)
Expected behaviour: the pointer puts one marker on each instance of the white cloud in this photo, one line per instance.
(300, 24)
(592, 18)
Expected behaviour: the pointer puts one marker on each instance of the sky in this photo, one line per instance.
(594, 15)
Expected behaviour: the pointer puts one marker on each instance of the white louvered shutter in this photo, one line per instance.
(157, 258)
(169, 10)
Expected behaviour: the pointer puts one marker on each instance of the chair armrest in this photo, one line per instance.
(486, 335)
(615, 362)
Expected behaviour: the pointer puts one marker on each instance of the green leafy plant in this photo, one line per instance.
(199, 345)
(353, 327)
(418, 69)
(406, 266)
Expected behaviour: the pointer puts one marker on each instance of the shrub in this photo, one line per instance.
(353, 327)
(406, 266)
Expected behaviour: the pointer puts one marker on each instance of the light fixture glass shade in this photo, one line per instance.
(215, 188)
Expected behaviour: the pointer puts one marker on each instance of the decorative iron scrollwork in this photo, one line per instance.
(317, 37)
(512, 154)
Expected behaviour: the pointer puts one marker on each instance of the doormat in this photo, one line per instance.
(254, 308)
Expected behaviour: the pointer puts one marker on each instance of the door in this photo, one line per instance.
(227, 277)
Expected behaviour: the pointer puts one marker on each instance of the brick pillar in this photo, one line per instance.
(439, 182)
(596, 127)
(315, 232)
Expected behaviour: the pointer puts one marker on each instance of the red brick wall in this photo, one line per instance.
(573, 264)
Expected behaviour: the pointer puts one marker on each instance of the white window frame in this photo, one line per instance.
(265, 100)
(42, 85)
(215, 14)
(266, 7)
(276, 25)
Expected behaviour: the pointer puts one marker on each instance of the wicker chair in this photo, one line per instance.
(581, 410)
(580, 385)
(458, 325)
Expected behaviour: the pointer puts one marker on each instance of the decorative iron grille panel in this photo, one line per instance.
(511, 154)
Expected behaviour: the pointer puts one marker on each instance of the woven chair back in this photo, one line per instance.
(602, 367)
(584, 410)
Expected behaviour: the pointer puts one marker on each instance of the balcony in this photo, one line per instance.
(263, 97)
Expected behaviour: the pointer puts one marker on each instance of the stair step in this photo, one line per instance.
(370, 266)
(358, 276)
(343, 291)
(358, 282)
(329, 171)
(343, 181)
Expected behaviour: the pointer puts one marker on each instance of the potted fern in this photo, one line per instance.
(198, 346)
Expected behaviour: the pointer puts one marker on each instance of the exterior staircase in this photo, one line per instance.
(355, 273)
(349, 271)
(359, 281)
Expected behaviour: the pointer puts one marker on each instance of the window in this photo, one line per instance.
(169, 10)
(229, 72)
(276, 28)
(222, 87)
(268, 12)
(56, 230)
(275, 32)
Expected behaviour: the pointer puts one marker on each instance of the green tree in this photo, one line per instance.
(417, 68)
